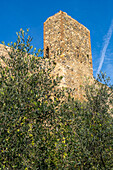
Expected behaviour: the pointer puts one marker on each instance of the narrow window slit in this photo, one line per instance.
(87, 57)
(47, 52)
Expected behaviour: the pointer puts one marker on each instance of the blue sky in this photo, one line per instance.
(96, 15)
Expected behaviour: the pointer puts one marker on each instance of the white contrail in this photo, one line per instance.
(105, 45)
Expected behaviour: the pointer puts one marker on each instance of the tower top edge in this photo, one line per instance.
(61, 12)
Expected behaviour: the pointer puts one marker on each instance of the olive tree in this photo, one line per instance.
(28, 96)
(42, 125)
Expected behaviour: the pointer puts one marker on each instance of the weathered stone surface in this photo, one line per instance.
(3, 52)
(64, 35)
(69, 42)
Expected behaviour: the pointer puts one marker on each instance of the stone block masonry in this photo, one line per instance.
(64, 35)
(3, 52)
(69, 42)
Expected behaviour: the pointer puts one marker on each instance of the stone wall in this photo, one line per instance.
(75, 76)
(64, 35)
(3, 52)
(69, 42)
(52, 35)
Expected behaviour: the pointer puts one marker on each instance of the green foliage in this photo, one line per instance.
(42, 127)
(27, 98)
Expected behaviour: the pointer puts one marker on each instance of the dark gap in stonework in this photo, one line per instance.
(47, 52)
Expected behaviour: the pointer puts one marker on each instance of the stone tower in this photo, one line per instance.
(69, 42)
(64, 35)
